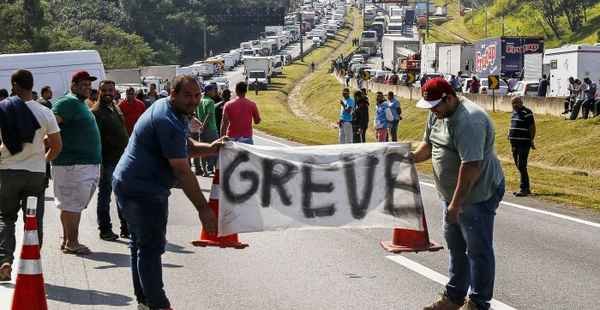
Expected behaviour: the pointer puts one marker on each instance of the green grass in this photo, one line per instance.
(521, 19)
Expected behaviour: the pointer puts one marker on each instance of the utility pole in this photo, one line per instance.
(204, 38)
(427, 13)
(486, 20)
(301, 35)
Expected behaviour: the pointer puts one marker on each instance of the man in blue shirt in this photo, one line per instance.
(345, 124)
(394, 106)
(155, 159)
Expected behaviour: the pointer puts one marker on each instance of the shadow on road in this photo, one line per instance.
(171, 247)
(7, 285)
(118, 260)
(85, 297)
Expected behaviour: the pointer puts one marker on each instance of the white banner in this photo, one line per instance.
(351, 185)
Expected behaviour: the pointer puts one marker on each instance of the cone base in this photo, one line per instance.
(220, 244)
(394, 248)
(29, 293)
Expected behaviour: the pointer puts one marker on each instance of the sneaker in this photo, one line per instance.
(108, 235)
(522, 194)
(444, 303)
(5, 271)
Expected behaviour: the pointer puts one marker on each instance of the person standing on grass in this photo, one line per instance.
(347, 105)
(396, 111)
(460, 141)
(157, 158)
(360, 118)
(24, 124)
(238, 116)
(521, 135)
(382, 116)
(114, 138)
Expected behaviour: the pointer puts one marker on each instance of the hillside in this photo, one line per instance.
(521, 18)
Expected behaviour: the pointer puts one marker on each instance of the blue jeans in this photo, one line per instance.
(209, 162)
(147, 219)
(246, 140)
(470, 242)
(104, 198)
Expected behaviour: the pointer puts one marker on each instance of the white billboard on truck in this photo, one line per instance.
(53, 69)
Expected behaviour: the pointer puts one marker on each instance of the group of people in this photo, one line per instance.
(138, 152)
(354, 117)
(583, 96)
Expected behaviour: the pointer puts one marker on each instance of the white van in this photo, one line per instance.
(52, 69)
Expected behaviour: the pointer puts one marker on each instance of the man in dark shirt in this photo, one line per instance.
(46, 97)
(521, 136)
(543, 88)
(156, 158)
(113, 136)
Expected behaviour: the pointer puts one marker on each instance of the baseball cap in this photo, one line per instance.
(210, 87)
(163, 93)
(433, 92)
(82, 76)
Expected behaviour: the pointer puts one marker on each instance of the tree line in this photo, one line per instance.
(131, 33)
(574, 11)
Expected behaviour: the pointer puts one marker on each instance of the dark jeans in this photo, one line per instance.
(520, 154)
(586, 107)
(357, 135)
(104, 198)
(147, 219)
(470, 242)
(15, 187)
(393, 128)
(209, 162)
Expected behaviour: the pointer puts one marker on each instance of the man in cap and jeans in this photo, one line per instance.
(76, 170)
(459, 139)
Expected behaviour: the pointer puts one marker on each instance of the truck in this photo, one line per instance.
(504, 56)
(430, 57)
(258, 71)
(273, 30)
(577, 61)
(279, 40)
(203, 69)
(369, 42)
(398, 47)
(456, 57)
(276, 64)
(53, 69)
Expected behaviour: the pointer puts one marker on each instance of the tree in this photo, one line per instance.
(551, 12)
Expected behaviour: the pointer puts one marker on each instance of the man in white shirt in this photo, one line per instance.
(24, 126)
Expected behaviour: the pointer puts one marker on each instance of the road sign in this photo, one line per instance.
(494, 82)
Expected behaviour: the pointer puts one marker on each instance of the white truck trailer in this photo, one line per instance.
(258, 71)
(397, 47)
(578, 61)
(455, 58)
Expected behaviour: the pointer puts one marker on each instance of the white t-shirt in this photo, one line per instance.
(33, 156)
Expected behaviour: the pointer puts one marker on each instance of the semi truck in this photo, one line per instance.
(504, 56)
(455, 58)
(397, 47)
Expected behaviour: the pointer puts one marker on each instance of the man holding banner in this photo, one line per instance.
(459, 139)
(155, 159)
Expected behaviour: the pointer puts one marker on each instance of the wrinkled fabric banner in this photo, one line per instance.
(352, 185)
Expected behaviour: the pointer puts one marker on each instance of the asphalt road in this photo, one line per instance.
(543, 262)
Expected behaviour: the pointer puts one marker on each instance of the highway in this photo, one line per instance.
(547, 258)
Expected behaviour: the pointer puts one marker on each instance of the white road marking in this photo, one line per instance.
(510, 204)
(437, 277)
(271, 141)
(557, 215)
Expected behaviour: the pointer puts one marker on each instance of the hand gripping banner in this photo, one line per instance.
(352, 185)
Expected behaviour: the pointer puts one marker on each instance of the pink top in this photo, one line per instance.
(240, 112)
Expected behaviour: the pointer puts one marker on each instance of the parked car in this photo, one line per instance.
(483, 89)
(525, 88)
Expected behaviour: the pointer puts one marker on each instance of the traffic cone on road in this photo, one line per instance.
(208, 239)
(29, 293)
(410, 240)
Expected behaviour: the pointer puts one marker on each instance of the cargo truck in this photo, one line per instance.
(505, 56)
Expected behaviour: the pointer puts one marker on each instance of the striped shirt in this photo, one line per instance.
(520, 126)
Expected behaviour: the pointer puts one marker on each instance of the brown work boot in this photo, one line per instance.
(444, 303)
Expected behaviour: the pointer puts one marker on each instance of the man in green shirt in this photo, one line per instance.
(459, 140)
(76, 170)
(206, 115)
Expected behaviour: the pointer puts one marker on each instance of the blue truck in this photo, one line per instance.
(504, 56)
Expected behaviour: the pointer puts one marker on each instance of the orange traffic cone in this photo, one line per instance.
(409, 240)
(208, 239)
(29, 291)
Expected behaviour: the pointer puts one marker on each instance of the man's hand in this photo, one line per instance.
(532, 145)
(219, 143)
(196, 125)
(208, 219)
(453, 213)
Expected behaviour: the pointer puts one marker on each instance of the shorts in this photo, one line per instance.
(74, 186)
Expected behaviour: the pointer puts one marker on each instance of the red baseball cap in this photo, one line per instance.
(82, 76)
(433, 92)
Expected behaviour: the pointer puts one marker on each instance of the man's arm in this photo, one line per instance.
(256, 116)
(468, 175)
(199, 149)
(532, 130)
(422, 153)
(54, 145)
(191, 188)
(224, 124)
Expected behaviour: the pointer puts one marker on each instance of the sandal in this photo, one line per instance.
(78, 250)
(5, 271)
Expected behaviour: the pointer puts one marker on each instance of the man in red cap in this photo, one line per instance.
(459, 140)
(76, 170)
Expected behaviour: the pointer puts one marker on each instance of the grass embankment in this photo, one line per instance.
(520, 19)
(278, 119)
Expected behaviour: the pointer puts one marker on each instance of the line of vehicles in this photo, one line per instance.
(261, 58)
